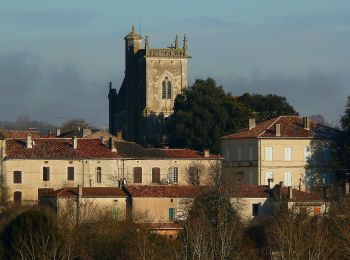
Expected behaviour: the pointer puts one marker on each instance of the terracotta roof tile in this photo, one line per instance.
(88, 192)
(61, 148)
(58, 148)
(167, 191)
(14, 134)
(291, 127)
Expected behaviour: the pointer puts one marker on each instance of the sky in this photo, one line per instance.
(57, 57)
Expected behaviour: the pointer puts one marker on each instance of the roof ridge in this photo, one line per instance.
(276, 119)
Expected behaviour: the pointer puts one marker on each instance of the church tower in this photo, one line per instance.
(153, 79)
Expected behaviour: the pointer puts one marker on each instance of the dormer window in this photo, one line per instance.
(166, 88)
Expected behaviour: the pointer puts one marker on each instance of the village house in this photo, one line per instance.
(85, 203)
(290, 149)
(33, 163)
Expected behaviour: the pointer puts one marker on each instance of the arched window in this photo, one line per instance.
(166, 88)
(98, 175)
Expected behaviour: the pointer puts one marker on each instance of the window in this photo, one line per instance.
(287, 179)
(137, 175)
(70, 172)
(227, 154)
(287, 153)
(250, 153)
(17, 197)
(173, 174)
(255, 209)
(156, 175)
(193, 175)
(268, 153)
(268, 175)
(307, 153)
(166, 89)
(163, 90)
(171, 214)
(17, 177)
(46, 173)
(98, 175)
(239, 154)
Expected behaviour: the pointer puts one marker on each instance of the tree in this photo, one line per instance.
(73, 124)
(267, 107)
(202, 114)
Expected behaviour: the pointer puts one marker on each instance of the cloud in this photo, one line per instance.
(310, 93)
(29, 86)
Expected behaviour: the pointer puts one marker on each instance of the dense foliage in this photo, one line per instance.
(204, 113)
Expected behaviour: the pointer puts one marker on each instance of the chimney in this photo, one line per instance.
(290, 192)
(347, 188)
(112, 145)
(206, 153)
(278, 130)
(80, 191)
(86, 132)
(251, 123)
(306, 123)
(29, 141)
(75, 142)
(269, 183)
(58, 132)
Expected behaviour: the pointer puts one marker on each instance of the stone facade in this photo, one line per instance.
(153, 79)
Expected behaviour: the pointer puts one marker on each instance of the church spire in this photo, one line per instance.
(185, 42)
(176, 42)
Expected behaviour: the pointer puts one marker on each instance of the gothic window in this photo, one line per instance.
(166, 88)
(168, 92)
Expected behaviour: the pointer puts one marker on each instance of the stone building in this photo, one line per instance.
(291, 149)
(153, 78)
(34, 163)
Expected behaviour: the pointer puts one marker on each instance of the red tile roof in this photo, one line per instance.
(62, 148)
(58, 148)
(167, 191)
(291, 127)
(187, 153)
(88, 192)
(14, 134)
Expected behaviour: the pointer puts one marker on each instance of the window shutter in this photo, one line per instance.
(156, 175)
(17, 177)
(137, 175)
(239, 154)
(46, 173)
(288, 179)
(17, 197)
(268, 153)
(250, 153)
(171, 214)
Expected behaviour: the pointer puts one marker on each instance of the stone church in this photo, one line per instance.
(153, 78)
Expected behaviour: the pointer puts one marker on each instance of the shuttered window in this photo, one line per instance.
(173, 174)
(268, 153)
(287, 153)
(171, 214)
(70, 176)
(250, 153)
(17, 177)
(156, 175)
(137, 175)
(239, 153)
(46, 173)
(287, 179)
